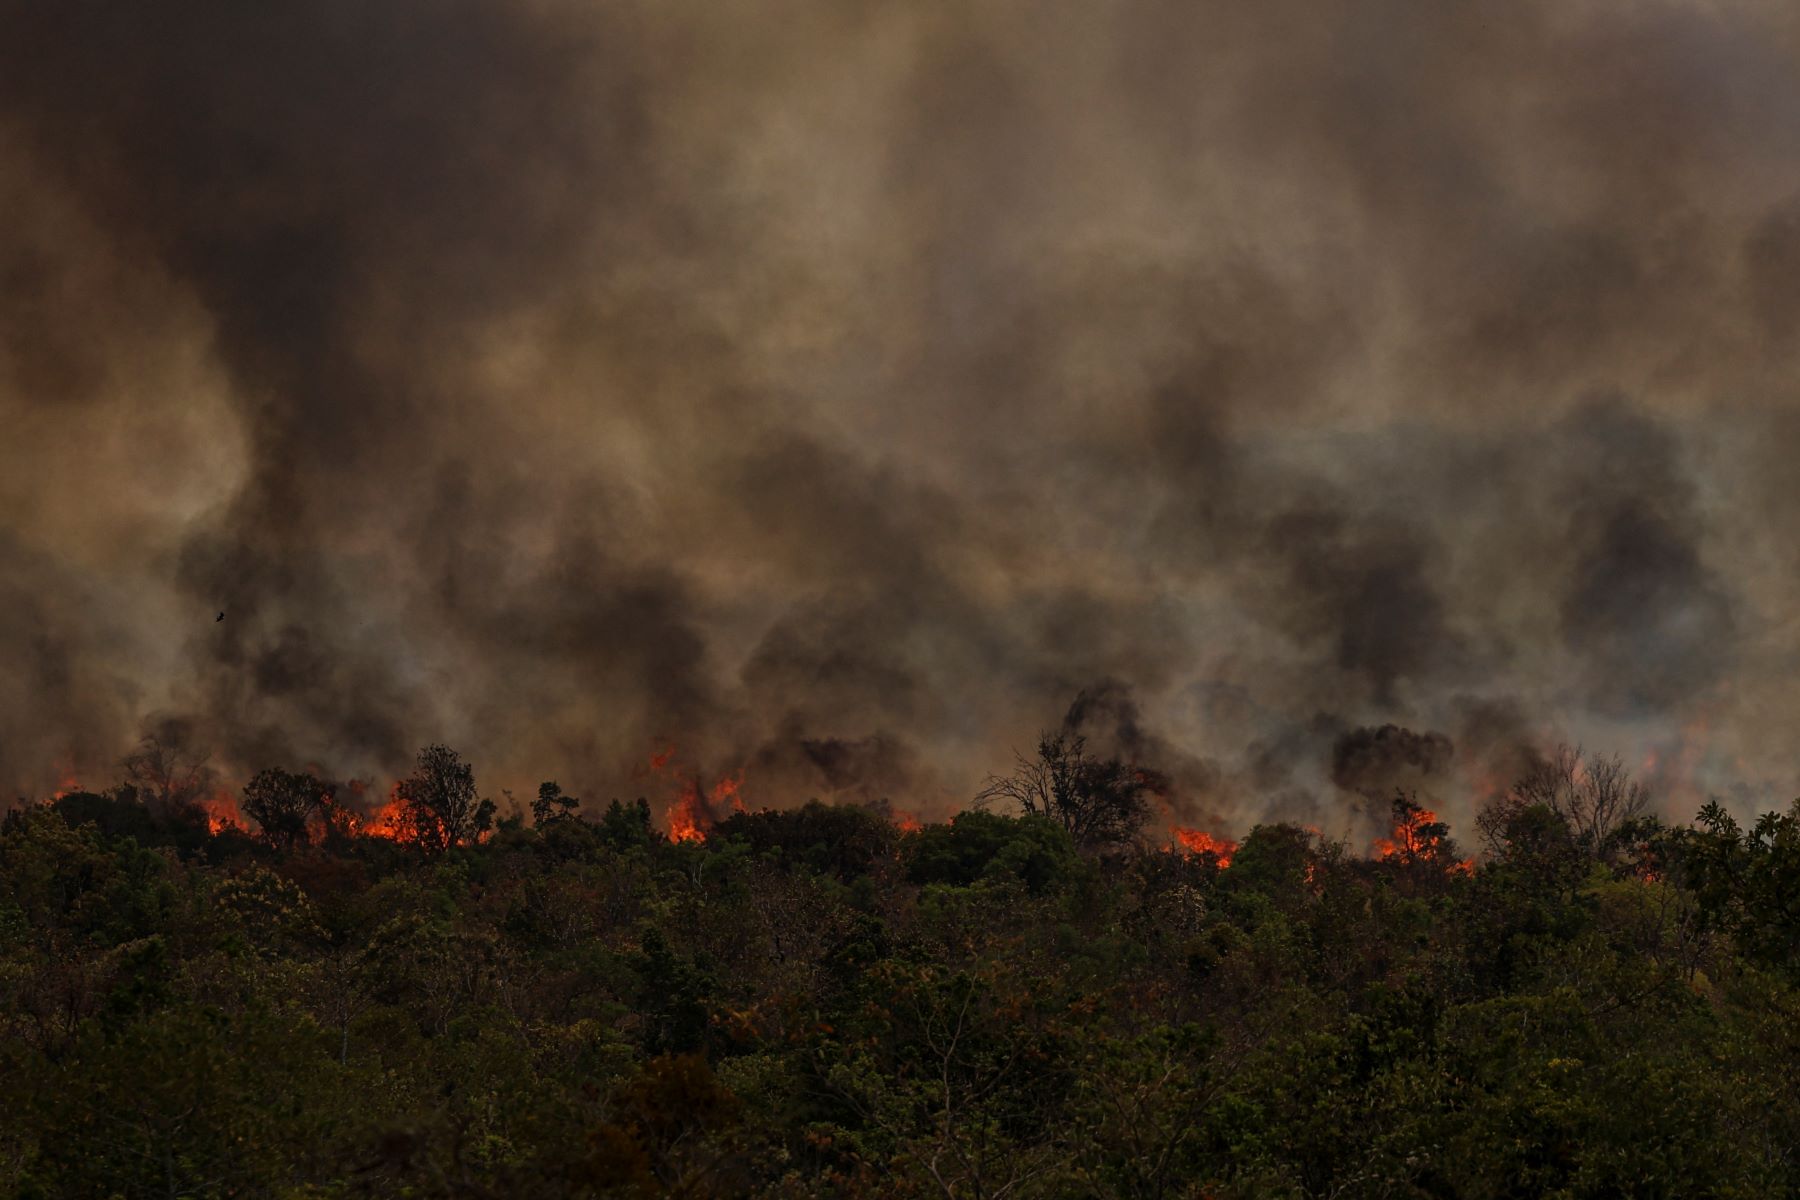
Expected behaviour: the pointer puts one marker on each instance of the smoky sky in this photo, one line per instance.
(839, 392)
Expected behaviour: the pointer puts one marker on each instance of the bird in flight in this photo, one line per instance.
(218, 618)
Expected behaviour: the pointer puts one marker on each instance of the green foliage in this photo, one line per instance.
(840, 840)
(671, 999)
(813, 1004)
(1747, 883)
(981, 845)
(623, 827)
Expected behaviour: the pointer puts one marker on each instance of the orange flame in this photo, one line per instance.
(1413, 840)
(695, 806)
(386, 821)
(684, 823)
(222, 812)
(1197, 842)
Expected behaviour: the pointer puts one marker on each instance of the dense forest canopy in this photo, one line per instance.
(1025, 1000)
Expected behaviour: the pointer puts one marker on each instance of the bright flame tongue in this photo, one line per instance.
(690, 816)
(695, 808)
(1199, 842)
(684, 817)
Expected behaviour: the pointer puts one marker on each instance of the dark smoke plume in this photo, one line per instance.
(1379, 763)
(835, 390)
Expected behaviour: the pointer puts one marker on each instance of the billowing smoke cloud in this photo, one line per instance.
(1379, 763)
(835, 391)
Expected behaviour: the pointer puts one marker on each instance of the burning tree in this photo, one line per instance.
(1101, 802)
(438, 807)
(553, 804)
(1420, 840)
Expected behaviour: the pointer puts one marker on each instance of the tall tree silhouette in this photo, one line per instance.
(438, 804)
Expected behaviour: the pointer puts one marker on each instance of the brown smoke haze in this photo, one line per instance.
(839, 391)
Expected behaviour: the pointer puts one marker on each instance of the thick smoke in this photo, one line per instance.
(1377, 764)
(834, 391)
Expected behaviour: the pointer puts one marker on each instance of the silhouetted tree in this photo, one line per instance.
(1101, 802)
(1747, 881)
(552, 803)
(116, 813)
(1597, 798)
(282, 802)
(438, 805)
(168, 770)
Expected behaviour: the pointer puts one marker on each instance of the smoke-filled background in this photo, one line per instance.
(844, 392)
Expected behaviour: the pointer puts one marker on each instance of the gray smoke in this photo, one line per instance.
(837, 391)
